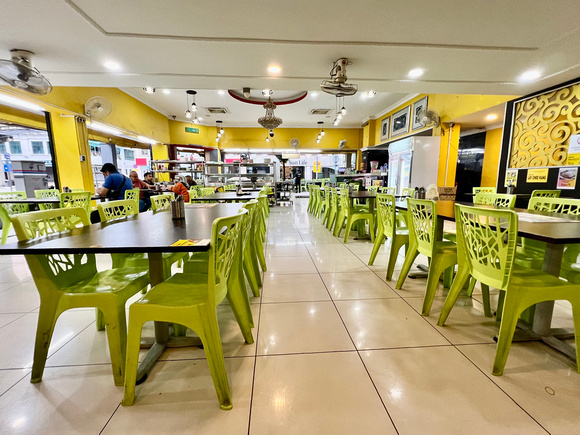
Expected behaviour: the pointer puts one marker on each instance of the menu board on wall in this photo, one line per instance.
(537, 175)
(567, 178)
(511, 177)
(574, 150)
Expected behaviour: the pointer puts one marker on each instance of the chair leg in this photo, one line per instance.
(251, 275)
(412, 253)
(506, 333)
(371, 227)
(500, 301)
(210, 337)
(100, 320)
(379, 240)
(448, 277)
(349, 223)
(47, 318)
(396, 245)
(261, 257)
(472, 283)
(132, 360)
(458, 283)
(117, 337)
(486, 300)
(339, 224)
(5, 230)
(432, 284)
(242, 312)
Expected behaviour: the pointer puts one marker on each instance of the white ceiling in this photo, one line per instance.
(464, 46)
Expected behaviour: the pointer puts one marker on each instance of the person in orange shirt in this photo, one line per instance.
(181, 189)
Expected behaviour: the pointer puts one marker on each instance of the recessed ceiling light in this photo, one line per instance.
(491, 117)
(529, 76)
(416, 73)
(166, 91)
(274, 69)
(221, 92)
(314, 94)
(370, 94)
(149, 89)
(112, 65)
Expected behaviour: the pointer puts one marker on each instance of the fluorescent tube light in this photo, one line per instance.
(17, 102)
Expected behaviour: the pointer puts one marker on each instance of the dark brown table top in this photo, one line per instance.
(228, 196)
(145, 232)
(549, 232)
(362, 194)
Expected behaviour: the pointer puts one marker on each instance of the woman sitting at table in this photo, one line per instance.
(144, 201)
(180, 188)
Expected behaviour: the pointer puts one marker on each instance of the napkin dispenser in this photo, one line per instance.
(178, 208)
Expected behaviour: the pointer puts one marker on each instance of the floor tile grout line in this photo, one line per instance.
(500, 388)
(18, 318)
(110, 418)
(358, 353)
(72, 338)
(17, 382)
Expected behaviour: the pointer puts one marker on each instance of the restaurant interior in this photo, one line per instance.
(329, 218)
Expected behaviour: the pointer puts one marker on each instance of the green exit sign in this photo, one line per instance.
(191, 130)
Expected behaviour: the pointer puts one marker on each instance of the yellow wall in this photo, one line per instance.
(22, 117)
(491, 157)
(178, 135)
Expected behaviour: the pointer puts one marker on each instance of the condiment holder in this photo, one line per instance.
(178, 208)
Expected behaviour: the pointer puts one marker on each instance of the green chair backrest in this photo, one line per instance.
(344, 200)
(53, 272)
(113, 210)
(193, 193)
(386, 213)
(161, 202)
(32, 225)
(46, 193)
(343, 185)
(373, 189)
(555, 205)
(205, 191)
(12, 209)
(496, 199)
(546, 193)
(225, 235)
(387, 190)
(423, 223)
(248, 220)
(477, 190)
(354, 186)
(133, 194)
(489, 239)
(408, 192)
(229, 187)
(76, 199)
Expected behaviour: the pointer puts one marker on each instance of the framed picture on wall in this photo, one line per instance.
(418, 106)
(385, 128)
(400, 124)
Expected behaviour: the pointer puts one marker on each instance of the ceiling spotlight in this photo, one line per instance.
(529, 76)
(416, 73)
(343, 110)
(149, 90)
(274, 69)
(314, 94)
(246, 92)
(370, 94)
(267, 92)
(112, 65)
(187, 114)
(491, 117)
(166, 91)
(220, 92)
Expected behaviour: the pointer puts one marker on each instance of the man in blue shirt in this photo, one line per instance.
(115, 183)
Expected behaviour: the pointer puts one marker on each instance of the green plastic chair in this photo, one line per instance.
(495, 199)
(408, 192)
(546, 193)
(310, 198)
(325, 204)
(386, 213)
(72, 281)
(261, 231)
(76, 199)
(191, 300)
(318, 201)
(193, 193)
(422, 220)
(350, 215)
(7, 211)
(477, 190)
(46, 193)
(489, 251)
(334, 208)
(161, 202)
(373, 189)
(387, 190)
(229, 187)
(134, 195)
(112, 210)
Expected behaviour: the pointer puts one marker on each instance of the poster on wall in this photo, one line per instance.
(567, 178)
(537, 175)
(574, 150)
(418, 107)
(385, 128)
(400, 123)
(511, 177)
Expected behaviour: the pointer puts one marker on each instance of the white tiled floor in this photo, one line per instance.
(337, 351)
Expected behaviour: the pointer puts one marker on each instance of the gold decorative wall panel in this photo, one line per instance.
(542, 128)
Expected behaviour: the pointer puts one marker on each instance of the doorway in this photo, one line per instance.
(469, 165)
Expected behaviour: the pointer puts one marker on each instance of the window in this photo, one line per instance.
(37, 147)
(128, 154)
(2, 147)
(15, 147)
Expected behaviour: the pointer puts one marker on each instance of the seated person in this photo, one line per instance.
(189, 181)
(115, 183)
(144, 201)
(180, 188)
(148, 178)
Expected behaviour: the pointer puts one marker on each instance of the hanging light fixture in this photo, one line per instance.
(320, 132)
(269, 121)
(219, 129)
(191, 109)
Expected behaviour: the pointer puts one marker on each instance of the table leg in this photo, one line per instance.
(543, 314)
